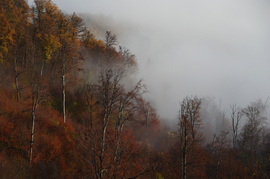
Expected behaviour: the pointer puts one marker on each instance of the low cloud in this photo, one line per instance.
(204, 48)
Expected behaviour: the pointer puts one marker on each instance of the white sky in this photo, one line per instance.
(205, 48)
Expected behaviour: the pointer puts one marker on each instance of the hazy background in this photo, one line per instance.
(206, 48)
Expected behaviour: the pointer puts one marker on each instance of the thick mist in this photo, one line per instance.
(204, 48)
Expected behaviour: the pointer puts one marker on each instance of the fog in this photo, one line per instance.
(206, 48)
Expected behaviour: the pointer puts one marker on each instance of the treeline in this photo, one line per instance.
(68, 109)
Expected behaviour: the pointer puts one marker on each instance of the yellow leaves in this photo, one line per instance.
(13, 16)
(56, 123)
(49, 44)
(159, 176)
(13, 86)
(93, 44)
(6, 33)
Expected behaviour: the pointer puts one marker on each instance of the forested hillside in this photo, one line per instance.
(69, 108)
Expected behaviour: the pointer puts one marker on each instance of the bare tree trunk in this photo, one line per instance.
(37, 98)
(34, 106)
(42, 68)
(184, 165)
(64, 98)
(190, 122)
(146, 115)
(103, 138)
(64, 88)
(16, 73)
(236, 115)
(16, 79)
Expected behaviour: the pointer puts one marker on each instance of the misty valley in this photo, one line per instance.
(72, 106)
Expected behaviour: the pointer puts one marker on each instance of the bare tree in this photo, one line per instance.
(110, 39)
(39, 93)
(189, 126)
(236, 115)
(251, 132)
(218, 148)
(69, 29)
(117, 107)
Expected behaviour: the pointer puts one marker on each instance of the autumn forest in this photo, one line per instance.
(69, 108)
